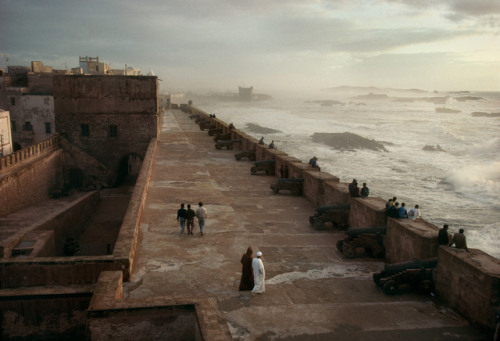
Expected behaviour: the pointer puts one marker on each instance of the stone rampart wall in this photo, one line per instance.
(29, 177)
(405, 240)
(469, 283)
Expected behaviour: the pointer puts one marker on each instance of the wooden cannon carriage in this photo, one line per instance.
(228, 144)
(250, 154)
(293, 185)
(266, 166)
(369, 238)
(206, 125)
(417, 274)
(212, 131)
(338, 215)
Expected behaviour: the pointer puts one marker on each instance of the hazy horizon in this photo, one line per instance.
(294, 45)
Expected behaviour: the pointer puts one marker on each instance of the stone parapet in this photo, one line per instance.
(470, 283)
(407, 240)
(336, 193)
(315, 186)
(27, 154)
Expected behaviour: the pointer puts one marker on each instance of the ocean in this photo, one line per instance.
(439, 150)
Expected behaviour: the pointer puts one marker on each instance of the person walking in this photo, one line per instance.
(259, 275)
(246, 282)
(181, 218)
(190, 214)
(201, 214)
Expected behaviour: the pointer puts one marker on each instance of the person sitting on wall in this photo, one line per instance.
(354, 189)
(443, 237)
(271, 146)
(314, 163)
(231, 126)
(364, 191)
(402, 211)
(459, 240)
(261, 141)
(414, 213)
(393, 210)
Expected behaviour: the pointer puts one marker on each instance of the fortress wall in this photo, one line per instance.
(407, 240)
(45, 314)
(32, 183)
(367, 212)
(126, 243)
(119, 113)
(336, 193)
(314, 187)
(50, 271)
(469, 284)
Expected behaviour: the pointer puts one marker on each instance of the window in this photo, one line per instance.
(85, 130)
(27, 126)
(13, 125)
(113, 131)
(12, 101)
(48, 129)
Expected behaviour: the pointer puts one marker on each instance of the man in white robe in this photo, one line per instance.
(259, 275)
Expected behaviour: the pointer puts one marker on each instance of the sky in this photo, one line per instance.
(296, 45)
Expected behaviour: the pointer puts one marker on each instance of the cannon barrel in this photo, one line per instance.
(417, 264)
(264, 162)
(353, 232)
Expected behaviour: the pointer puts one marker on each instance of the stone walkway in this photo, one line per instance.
(312, 292)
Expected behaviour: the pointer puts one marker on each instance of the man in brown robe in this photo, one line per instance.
(246, 282)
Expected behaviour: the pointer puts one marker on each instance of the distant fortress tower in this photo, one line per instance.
(245, 93)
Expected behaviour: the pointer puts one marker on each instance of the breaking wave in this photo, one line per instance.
(261, 130)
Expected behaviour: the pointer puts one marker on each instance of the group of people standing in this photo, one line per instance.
(186, 217)
(253, 273)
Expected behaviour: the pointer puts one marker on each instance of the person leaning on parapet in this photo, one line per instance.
(314, 163)
(443, 237)
(414, 213)
(201, 214)
(365, 191)
(181, 218)
(261, 141)
(246, 282)
(259, 275)
(402, 211)
(353, 188)
(190, 214)
(459, 240)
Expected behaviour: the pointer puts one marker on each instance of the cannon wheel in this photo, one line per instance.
(348, 250)
(253, 170)
(339, 245)
(390, 287)
(424, 286)
(318, 224)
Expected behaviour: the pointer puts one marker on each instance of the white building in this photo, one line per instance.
(5, 135)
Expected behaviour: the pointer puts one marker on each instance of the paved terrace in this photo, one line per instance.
(312, 292)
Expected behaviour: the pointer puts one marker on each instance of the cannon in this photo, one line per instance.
(293, 185)
(369, 238)
(266, 166)
(228, 144)
(250, 154)
(338, 215)
(206, 125)
(212, 131)
(225, 136)
(416, 274)
(195, 116)
(201, 119)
